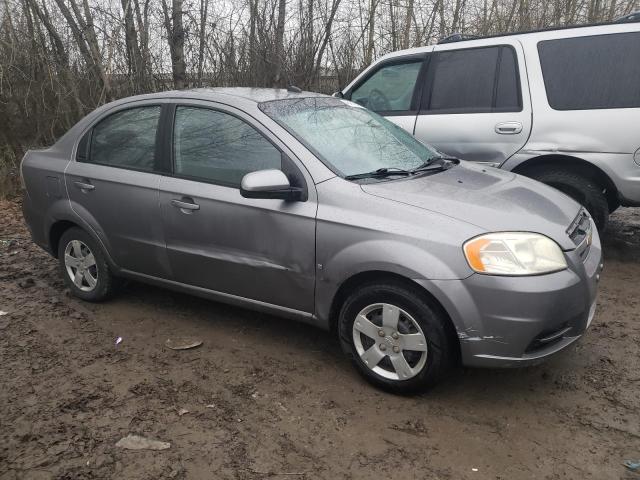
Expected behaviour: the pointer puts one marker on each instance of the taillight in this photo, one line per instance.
(22, 184)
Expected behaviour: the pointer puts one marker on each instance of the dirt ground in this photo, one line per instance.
(270, 398)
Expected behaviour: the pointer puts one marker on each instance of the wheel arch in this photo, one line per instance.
(573, 164)
(61, 225)
(372, 276)
(56, 231)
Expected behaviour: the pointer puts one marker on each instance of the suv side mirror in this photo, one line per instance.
(269, 184)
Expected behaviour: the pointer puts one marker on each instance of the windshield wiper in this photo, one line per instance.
(436, 164)
(432, 165)
(379, 173)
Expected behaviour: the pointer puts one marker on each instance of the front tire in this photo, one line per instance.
(83, 266)
(396, 339)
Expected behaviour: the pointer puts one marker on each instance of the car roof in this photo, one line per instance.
(222, 94)
(255, 94)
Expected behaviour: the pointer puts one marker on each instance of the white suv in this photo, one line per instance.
(561, 106)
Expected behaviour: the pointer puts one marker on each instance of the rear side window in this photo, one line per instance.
(594, 72)
(218, 147)
(474, 80)
(390, 88)
(126, 139)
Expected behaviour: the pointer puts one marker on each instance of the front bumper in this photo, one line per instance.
(516, 321)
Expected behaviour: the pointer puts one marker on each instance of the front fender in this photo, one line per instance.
(382, 255)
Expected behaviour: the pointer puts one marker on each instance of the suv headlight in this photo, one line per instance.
(514, 253)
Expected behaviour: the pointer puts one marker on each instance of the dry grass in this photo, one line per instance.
(9, 173)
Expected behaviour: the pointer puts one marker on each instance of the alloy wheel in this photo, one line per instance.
(390, 341)
(80, 265)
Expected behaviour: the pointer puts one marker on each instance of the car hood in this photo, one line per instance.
(492, 199)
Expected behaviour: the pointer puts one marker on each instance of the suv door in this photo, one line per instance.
(475, 103)
(392, 88)
(259, 249)
(113, 187)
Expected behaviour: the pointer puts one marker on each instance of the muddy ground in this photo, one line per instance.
(269, 398)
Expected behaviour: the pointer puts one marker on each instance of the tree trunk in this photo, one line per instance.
(279, 50)
(175, 38)
(371, 30)
(406, 38)
(253, 19)
(204, 7)
(134, 57)
(92, 58)
(327, 35)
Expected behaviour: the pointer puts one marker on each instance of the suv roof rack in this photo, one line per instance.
(457, 37)
(461, 37)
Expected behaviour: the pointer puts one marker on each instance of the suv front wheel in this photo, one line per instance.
(579, 187)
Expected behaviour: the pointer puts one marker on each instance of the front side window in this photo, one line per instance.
(218, 147)
(390, 88)
(126, 139)
(600, 71)
(347, 137)
(474, 80)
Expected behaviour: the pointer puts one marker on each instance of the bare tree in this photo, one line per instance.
(279, 41)
(175, 38)
(59, 59)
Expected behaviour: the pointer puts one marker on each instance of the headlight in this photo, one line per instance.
(514, 253)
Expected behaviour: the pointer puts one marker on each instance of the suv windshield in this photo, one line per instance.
(350, 139)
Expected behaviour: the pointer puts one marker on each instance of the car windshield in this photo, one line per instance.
(350, 139)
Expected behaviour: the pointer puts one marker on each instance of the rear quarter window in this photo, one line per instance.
(125, 139)
(592, 72)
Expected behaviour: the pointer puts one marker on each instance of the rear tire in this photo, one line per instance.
(579, 187)
(83, 266)
(411, 356)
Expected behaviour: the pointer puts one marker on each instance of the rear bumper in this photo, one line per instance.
(34, 221)
(517, 321)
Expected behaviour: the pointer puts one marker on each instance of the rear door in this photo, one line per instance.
(392, 88)
(475, 103)
(113, 187)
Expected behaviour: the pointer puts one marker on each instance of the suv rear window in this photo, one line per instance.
(593, 72)
(474, 80)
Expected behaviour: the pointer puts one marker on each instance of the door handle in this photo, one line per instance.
(508, 128)
(85, 187)
(183, 205)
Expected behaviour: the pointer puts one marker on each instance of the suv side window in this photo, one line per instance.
(474, 80)
(390, 88)
(125, 139)
(218, 147)
(601, 71)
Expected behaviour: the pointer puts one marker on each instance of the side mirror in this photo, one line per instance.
(337, 94)
(269, 184)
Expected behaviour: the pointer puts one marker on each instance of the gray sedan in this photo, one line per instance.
(315, 208)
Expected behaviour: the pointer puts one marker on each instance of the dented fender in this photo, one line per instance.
(382, 255)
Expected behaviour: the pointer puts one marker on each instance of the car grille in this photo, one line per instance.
(580, 233)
